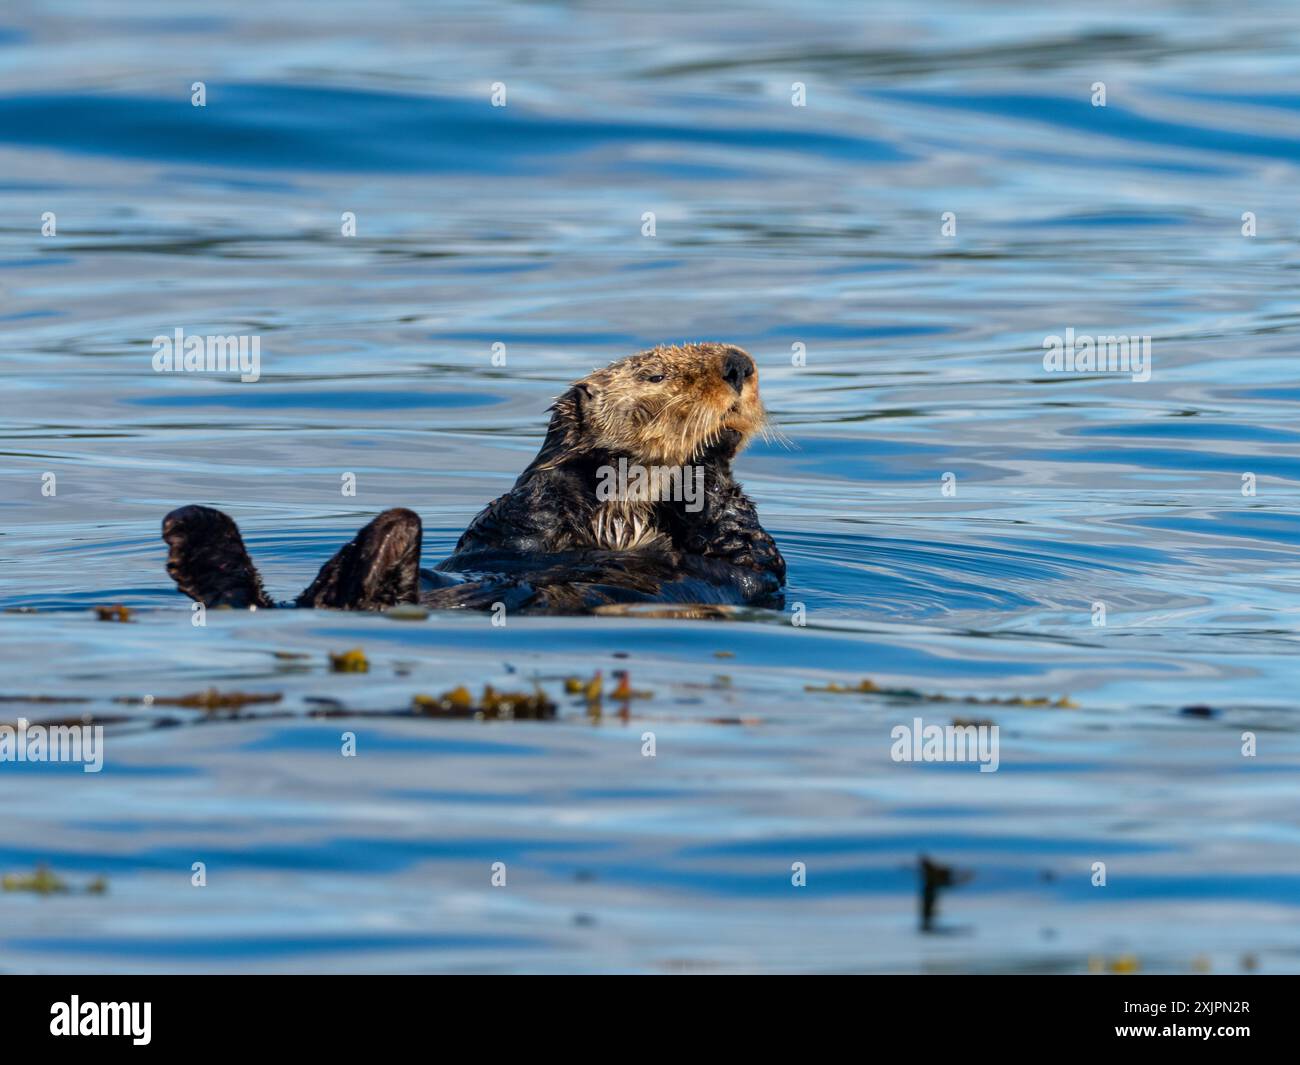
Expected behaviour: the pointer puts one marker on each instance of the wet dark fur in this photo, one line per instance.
(530, 549)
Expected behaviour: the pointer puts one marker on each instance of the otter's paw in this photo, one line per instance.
(207, 559)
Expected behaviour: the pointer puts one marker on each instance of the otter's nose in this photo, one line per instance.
(737, 368)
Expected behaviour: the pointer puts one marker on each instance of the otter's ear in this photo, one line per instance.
(564, 434)
(570, 413)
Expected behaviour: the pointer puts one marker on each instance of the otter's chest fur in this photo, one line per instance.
(630, 500)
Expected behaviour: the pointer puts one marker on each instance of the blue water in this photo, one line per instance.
(776, 226)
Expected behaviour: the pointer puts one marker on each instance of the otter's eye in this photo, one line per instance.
(655, 378)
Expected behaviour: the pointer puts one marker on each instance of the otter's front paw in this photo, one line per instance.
(747, 546)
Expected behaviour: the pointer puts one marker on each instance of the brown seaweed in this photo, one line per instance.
(492, 706)
(353, 661)
(117, 612)
(866, 686)
(43, 881)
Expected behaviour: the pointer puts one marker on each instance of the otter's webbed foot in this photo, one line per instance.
(377, 569)
(208, 561)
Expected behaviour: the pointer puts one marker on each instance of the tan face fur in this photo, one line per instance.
(666, 405)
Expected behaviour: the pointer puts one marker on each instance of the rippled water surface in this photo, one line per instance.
(785, 229)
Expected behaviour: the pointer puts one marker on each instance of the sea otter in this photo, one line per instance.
(569, 537)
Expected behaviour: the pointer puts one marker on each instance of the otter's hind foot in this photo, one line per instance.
(379, 568)
(208, 561)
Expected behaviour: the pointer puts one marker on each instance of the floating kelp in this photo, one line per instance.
(493, 706)
(208, 700)
(869, 687)
(353, 661)
(625, 691)
(1124, 964)
(864, 685)
(44, 882)
(589, 689)
(449, 702)
(41, 882)
(113, 613)
(407, 612)
(226, 706)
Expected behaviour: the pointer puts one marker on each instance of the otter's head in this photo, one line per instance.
(661, 407)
